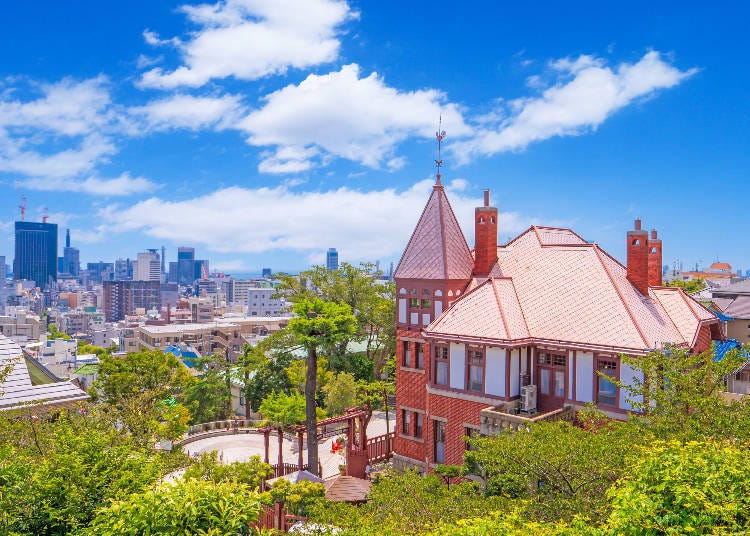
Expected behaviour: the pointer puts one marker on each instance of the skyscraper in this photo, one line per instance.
(36, 252)
(2, 270)
(148, 266)
(71, 257)
(186, 265)
(332, 259)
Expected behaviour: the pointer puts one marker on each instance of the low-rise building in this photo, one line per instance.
(20, 325)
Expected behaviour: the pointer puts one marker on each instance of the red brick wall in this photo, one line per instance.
(411, 391)
(485, 240)
(704, 340)
(638, 258)
(457, 412)
(654, 260)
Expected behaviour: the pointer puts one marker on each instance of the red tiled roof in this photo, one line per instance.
(551, 285)
(437, 248)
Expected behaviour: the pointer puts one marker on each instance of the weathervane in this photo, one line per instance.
(440, 135)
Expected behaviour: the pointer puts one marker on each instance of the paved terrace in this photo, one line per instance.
(241, 446)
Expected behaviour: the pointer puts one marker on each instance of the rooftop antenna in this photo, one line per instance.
(45, 216)
(440, 135)
(22, 206)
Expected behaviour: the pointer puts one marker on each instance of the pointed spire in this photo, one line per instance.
(440, 135)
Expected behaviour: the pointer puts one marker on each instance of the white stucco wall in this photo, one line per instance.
(494, 374)
(585, 377)
(627, 375)
(515, 369)
(458, 366)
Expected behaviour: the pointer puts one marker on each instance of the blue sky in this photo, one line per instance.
(262, 132)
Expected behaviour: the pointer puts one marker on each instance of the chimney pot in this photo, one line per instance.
(653, 234)
(637, 224)
(487, 197)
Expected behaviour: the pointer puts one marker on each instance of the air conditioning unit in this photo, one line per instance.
(528, 398)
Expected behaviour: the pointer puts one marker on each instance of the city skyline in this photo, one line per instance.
(128, 129)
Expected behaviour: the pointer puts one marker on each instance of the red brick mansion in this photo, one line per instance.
(548, 309)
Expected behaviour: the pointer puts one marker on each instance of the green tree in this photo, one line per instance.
(318, 324)
(282, 411)
(266, 375)
(680, 395)
(54, 475)
(565, 470)
(55, 333)
(340, 393)
(185, 507)
(690, 287)
(207, 397)
(372, 302)
(690, 488)
(297, 498)
(142, 392)
(407, 504)
(207, 467)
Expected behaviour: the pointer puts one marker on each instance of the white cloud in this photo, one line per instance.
(62, 132)
(250, 39)
(118, 186)
(586, 94)
(188, 112)
(66, 107)
(343, 115)
(366, 224)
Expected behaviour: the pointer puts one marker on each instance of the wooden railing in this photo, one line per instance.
(380, 448)
(275, 518)
(286, 469)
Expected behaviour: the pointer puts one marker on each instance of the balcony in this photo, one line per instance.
(496, 419)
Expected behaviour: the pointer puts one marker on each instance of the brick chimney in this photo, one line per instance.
(485, 237)
(638, 258)
(654, 260)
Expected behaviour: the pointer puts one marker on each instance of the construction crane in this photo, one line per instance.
(22, 206)
(45, 216)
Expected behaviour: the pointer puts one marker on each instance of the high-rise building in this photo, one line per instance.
(332, 259)
(100, 271)
(122, 298)
(185, 265)
(2, 270)
(148, 266)
(200, 269)
(36, 252)
(71, 257)
(124, 270)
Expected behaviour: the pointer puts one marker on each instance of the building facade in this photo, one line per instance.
(332, 259)
(122, 298)
(147, 266)
(71, 257)
(36, 252)
(548, 313)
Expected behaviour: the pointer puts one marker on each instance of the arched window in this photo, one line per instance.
(636, 242)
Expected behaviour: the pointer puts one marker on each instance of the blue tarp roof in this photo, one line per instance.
(721, 349)
(186, 356)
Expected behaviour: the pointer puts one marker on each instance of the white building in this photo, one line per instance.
(260, 302)
(147, 267)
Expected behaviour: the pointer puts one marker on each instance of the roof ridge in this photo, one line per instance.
(500, 307)
(468, 250)
(442, 234)
(414, 231)
(597, 250)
